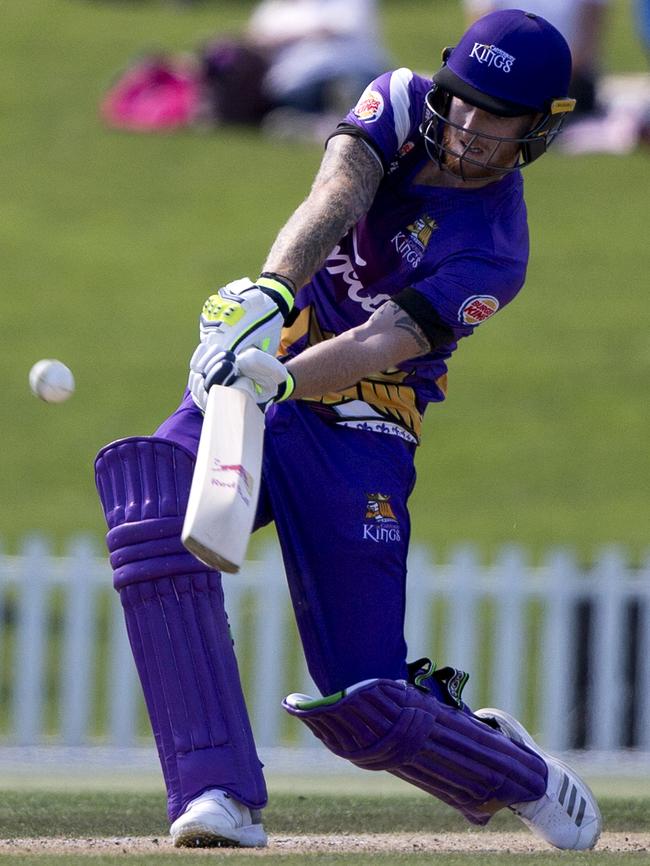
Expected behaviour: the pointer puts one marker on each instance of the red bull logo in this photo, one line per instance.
(477, 309)
(370, 106)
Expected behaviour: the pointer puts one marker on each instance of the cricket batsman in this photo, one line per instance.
(413, 235)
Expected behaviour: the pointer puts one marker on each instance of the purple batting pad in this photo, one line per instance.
(177, 626)
(392, 725)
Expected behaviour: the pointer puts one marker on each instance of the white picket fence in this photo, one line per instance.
(565, 648)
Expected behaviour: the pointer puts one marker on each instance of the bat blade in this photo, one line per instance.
(226, 481)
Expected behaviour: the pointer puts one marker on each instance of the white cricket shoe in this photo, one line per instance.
(216, 820)
(567, 815)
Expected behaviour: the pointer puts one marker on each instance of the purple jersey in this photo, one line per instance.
(464, 251)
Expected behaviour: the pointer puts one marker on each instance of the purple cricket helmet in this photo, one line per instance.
(510, 63)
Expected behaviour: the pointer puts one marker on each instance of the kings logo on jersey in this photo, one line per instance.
(370, 107)
(384, 525)
(477, 309)
(412, 243)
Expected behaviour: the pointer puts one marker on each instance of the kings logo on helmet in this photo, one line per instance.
(492, 56)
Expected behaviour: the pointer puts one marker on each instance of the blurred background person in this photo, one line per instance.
(582, 23)
(321, 53)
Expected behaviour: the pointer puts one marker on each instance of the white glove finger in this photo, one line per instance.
(212, 358)
(221, 370)
(204, 353)
(198, 358)
(197, 390)
(261, 367)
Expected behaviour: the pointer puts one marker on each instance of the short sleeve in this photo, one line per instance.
(467, 290)
(388, 112)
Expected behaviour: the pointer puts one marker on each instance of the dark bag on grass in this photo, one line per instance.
(232, 73)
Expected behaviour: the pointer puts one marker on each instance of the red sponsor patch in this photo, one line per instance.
(477, 309)
(370, 106)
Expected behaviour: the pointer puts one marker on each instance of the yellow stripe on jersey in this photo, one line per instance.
(306, 325)
(386, 393)
(394, 402)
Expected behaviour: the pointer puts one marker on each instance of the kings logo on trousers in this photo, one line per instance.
(381, 524)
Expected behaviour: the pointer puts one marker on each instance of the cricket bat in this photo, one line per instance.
(226, 481)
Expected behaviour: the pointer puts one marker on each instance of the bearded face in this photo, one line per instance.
(479, 145)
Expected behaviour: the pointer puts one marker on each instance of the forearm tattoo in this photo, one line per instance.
(391, 314)
(411, 327)
(342, 193)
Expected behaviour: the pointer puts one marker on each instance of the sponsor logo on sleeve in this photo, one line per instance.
(370, 107)
(477, 309)
(490, 55)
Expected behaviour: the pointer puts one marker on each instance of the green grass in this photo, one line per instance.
(111, 241)
(119, 814)
(136, 813)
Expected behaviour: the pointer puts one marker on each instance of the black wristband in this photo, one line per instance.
(286, 281)
(425, 315)
(278, 291)
(286, 389)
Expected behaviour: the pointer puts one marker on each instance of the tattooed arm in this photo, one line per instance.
(342, 193)
(389, 336)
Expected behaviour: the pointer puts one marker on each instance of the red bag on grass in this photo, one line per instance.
(156, 94)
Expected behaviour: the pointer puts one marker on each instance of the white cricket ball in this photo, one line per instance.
(51, 380)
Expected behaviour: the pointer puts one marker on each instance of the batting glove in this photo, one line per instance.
(254, 371)
(240, 315)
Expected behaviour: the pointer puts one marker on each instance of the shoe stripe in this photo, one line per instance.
(572, 800)
(581, 812)
(563, 789)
